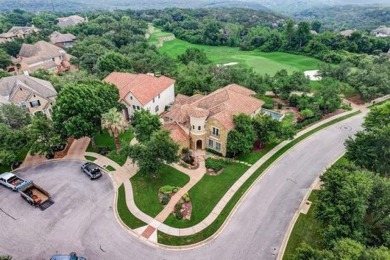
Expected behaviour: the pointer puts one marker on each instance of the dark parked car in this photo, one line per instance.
(71, 256)
(92, 170)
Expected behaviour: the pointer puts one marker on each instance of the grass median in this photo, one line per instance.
(214, 227)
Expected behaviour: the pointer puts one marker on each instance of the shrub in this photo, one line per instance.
(346, 107)
(186, 197)
(215, 164)
(164, 199)
(179, 215)
(167, 189)
(308, 121)
(280, 105)
(178, 207)
(213, 151)
(175, 190)
(268, 106)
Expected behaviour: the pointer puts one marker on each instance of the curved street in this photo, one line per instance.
(82, 218)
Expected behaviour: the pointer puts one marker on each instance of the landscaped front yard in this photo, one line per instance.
(146, 188)
(105, 145)
(206, 194)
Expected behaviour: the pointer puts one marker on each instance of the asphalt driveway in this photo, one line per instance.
(82, 218)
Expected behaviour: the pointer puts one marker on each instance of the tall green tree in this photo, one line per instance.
(114, 122)
(193, 55)
(328, 95)
(371, 147)
(14, 116)
(11, 142)
(145, 124)
(151, 155)
(343, 201)
(242, 137)
(5, 59)
(268, 130)
(78, 109)
(43, 136)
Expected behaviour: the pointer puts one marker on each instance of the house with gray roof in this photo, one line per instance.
(43, 55)
(33, 94)
(70, 20)
(381, 32)
(62, 40)
(17, 32)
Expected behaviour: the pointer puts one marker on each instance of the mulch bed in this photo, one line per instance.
(211, 172)
(186, 210)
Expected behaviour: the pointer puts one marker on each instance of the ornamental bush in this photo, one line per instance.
(215, 164)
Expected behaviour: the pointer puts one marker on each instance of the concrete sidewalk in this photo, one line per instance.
(123, 174)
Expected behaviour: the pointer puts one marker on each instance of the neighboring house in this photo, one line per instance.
(17, 32)
(381, 32)
(207, 120)
(62, 40)
(36, 95)
(70, 20)
(42, 55)
(143, 91)
(347, 33)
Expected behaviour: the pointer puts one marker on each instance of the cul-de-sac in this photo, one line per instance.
(194, 130)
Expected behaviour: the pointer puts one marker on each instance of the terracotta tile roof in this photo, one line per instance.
(176, 132)
(221, 105)
(181, 99)
(144, 87)
(198, 112)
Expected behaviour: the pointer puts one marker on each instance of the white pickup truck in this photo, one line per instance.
(11, 181)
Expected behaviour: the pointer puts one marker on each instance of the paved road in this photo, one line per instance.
(82, 219)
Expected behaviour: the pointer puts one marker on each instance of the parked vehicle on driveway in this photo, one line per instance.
(11, 181)
(92, 170)
(35, 195)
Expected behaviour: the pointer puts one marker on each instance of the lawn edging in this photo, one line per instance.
(215, 228)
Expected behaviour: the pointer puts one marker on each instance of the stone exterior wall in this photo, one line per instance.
(24, 95)
(222, 138)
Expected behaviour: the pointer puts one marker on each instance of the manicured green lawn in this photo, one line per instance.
(254, 156)
(90, 158)
(261, 62)
(207, 193)
(306, 229)
(146, 188)
(110, 168)
(106, 142)
(129, 219)
(154, 37)
(211, 229)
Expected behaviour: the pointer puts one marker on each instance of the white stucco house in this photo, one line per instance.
(143, 91)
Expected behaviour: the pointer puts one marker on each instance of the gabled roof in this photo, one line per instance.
(142, 86)
(176, 132)
(8, 86)
(221, 105)
(22, 29)
(57, 37)
(70, 20)
(41, 54)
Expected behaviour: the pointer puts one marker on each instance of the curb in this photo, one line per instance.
(240, 201)
(290, 228)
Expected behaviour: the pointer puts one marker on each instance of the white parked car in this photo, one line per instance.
(11, 181)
